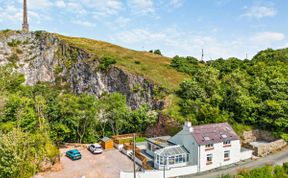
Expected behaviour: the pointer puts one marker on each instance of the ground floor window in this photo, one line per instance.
(226, 155)
(178, 159)
(149, 147)
(209, 158)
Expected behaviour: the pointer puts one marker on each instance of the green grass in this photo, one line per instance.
(152, 67)
(140, 139)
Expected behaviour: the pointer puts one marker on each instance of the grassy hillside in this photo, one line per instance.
(151, 66)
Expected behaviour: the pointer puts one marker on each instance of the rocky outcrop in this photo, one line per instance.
(43, 57)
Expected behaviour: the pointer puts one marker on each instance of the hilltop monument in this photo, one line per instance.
(25, 25)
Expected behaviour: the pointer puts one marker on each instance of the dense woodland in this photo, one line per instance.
(248, 92)
(34, 120)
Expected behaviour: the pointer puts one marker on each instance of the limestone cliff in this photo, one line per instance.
(44, 57)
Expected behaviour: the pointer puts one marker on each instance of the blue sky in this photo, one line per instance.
(223, 28)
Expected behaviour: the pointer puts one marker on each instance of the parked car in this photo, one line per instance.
(73, 154)
(95, 148)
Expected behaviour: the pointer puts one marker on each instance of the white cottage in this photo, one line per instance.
(207, 146)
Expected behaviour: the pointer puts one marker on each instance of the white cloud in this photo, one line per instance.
(260, 12)
(141, 7)
(84, 23)
(38, 4)
(176, 42)
(60, 4)
(266, 38)
(11, 13)
(176, 3)
(139, 35)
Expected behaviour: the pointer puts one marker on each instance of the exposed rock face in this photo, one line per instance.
(42, 57)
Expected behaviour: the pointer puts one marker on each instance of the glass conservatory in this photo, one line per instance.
(170, 157)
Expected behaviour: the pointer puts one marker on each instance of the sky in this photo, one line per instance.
(223, 28)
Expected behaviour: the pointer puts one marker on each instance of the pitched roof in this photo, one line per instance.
(105, 139)
(172, 151)
(214, 133)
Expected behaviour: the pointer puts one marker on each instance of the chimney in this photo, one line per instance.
(188, 127)
(25, 25)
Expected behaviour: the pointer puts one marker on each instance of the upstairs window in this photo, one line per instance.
(209, 146)
(227, 143)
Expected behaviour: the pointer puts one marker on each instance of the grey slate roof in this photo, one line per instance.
(213, 133)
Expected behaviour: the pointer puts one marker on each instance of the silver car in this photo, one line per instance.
(95, 148)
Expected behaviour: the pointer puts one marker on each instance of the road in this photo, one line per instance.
(274, 159)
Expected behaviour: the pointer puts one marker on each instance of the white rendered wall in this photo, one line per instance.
(218, 155)
(186, 139)
(247, 154)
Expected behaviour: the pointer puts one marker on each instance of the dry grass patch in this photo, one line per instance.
(151, 66)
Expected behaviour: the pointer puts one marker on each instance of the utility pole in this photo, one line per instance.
(134, 155)
(25, 25)
(202, 57)
(164, 169)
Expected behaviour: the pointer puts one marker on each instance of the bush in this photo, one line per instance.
(279, 172)
(285, 167)
(13, 58)
(137, 62)
(14, 43)
(106, 62)
(19, 51)
(158, 52)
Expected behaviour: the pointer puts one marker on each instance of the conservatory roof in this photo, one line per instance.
(171, 151)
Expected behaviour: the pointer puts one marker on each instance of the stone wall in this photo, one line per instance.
(273, 144)
(268, 148)
(257, 135)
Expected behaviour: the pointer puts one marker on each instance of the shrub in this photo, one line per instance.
(19, 51)
(106, 62)
(137, 62)
(285, 167)
(13, 58)
(14, 43)
(58, 69)
(279, 171)
(158, 52)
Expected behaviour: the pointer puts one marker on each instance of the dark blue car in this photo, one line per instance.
(73, 154)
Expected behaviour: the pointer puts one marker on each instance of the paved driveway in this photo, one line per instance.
(105, 165)
(274, 159)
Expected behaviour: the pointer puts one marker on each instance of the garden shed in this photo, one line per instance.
(106, 143)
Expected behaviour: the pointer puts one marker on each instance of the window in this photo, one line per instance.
(149, 146)
(206, 138)
(224, 136)
(171, 160)
(227, 143)
(209, 159)
(209, 146)
(181, 160)
(226, 155)
(161, 160)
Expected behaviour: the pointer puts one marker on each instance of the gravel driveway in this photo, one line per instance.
(105, 165)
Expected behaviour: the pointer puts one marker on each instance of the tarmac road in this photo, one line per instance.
(277, 158)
